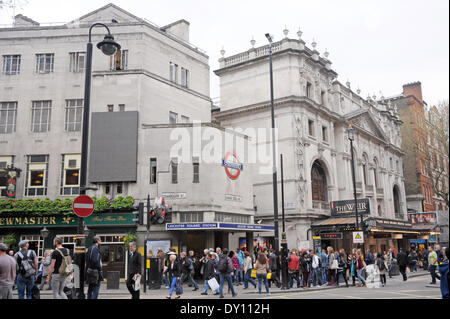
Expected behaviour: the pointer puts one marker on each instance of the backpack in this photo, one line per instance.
(66, 267)
(26, 269)
(381, 265)
(191, 264)
(223, 264)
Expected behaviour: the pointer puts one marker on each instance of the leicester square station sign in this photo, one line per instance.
(347, 207)
(233, 165)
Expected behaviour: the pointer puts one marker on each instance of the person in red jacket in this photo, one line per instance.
(294, 265)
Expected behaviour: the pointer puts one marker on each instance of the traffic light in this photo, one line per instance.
(159, 213)
(139, 214)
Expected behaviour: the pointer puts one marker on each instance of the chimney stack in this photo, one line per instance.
(414, 89)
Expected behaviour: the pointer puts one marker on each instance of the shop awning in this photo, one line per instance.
(336, 221)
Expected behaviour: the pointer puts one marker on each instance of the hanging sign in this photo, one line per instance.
(358, 237)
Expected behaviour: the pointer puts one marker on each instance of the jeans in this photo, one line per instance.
(344, 275)
(360, 277)
(291, 279)
(324, 274)
(434, 275)
(6, 292)
(58, 286)
(238, 276)
(25, 283)
(229, 280)
(390, 268)
(189, 277)
(94, 290)
(164, 279)
(262, 277)
(248, 278)
(317, 277)
(173, 285)
(205, 287)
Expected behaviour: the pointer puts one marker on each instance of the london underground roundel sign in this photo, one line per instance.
(83, 206)
(233, 165)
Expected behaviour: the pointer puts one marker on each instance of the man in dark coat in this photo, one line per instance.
(134, 268)
(94, 262)
(273, 263)
(402, 260)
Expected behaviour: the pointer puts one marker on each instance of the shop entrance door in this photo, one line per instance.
(196, 241)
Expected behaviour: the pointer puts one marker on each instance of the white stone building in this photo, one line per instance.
(312, 112)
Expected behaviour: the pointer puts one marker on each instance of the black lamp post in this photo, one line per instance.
(275, 191)
(284, 248)
(109, 47)
(351, 137)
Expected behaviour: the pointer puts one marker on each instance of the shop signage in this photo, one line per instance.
(418, 241)
(423, 218)
(233, 165)
(64, 221)
(174, 195)
(197, 226)
(233, 198)
(245, 227)
(358, 237)
(317, 244)
(191, 226)
(387, 223)
(331, 235)
(347, 207)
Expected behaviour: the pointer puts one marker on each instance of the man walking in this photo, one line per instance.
(94, 264)
(134, 271)
(293, 269)
(402, 260)
(7, 273)
(187, 266)
(316, 270)
(274, 268)
(57, 271)
(433, 263)
(27, 263)
(225, 269)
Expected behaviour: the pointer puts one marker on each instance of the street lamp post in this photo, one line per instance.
(109, 47)
(351, 137)
(275, 192)
(283, 235)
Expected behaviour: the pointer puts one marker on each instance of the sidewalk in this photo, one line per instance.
(239, 289)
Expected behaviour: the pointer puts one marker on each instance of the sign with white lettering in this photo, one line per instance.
(233, 165)
(347, 207)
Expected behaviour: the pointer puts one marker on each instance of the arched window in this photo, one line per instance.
(397, 208)
(375, 172)
(380, 211)
(364, 167)
(318, 182)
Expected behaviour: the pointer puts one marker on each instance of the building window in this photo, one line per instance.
(191, 217)
(173, 118)
(70, 175)
(107, 188)
(119, 189)
(375, 172)
(174, 172)
(110, 107)
(233, 218)
(322, 97)
(44, 63)
(119, 61)
(184, 77)
(121, 107)
(41, 114)
(11, 64)
(77, 62)
(397, 208)
(74, 115)
(324, 134)
(5, 161)
(311, 127)
(318, 182)
(196, 166)
(173, 72)
(364, 167)
(184, 119)
(308, 90)
(8, 117)
(36, 175)
(153, 170)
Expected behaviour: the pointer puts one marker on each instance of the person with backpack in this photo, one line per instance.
(225, 269)
(94, 274)
(60, 269)
(27, 268)
(293, 269)
(187, 266)
(382, 267)
(241, 257)
(316, 265)
(343, 265)
(305, 267)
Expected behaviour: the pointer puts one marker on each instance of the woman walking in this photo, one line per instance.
(173, 273)
(333, 266)
(342, 260)
(353, 267)
(305, 267)
(361, 265)
(262, 267)
(248, 266)
(382, 266)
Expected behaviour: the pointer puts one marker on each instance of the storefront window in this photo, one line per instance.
(318, 182)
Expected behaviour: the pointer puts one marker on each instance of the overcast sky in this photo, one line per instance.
(378, 45)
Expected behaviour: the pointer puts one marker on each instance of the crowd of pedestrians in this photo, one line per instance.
(215, 268)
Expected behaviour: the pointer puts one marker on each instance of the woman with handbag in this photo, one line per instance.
(262, 268)
(173, 273)
(248, 266)
(333, 262)
(360, 266)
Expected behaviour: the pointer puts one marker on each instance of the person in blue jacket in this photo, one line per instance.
(443, 269)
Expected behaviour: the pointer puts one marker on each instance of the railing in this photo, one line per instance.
(245, 56)
(369, 188)
(321, 205)
(235, 59)
(380, 191)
